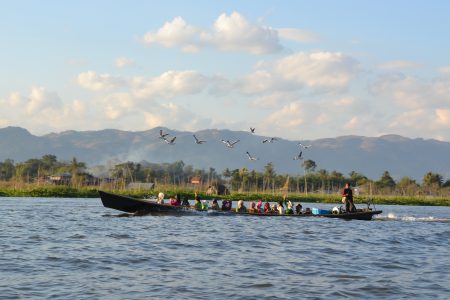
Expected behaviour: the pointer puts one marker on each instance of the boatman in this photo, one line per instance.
(347, 195)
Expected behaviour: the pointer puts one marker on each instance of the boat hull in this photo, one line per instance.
(144, 206)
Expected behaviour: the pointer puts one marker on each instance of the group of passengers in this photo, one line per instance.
(274, 209)
(282, 207)
(256, 208)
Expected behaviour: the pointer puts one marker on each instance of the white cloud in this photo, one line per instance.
(411, 92)
(176, 33)
(445, 70)
(275, 99)
(99, 82)
(117, 105)
(234, 33)
(40, 99)
(298, 35)
(443, 117)
(123, 62)
(170, 84)
(229, 33)
(291, 116)
(399, 65)
(318, 69)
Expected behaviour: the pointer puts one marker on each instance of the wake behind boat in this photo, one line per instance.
(146, 206)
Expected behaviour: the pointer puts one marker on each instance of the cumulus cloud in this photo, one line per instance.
(99, 82)
(445, 70)
(170, 84)
(298, 35)
(234, 33)
(411, 92)
(117, 105)
(398, 65)
(40, 99)
(316, 71)
(123, 62)
(229, 33)
(176, 33)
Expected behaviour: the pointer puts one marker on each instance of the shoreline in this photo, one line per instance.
(69, 192)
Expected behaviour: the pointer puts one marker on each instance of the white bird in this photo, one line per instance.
(271, 140)
(162, 135)
(251, 157)
(252, 130)
(304, 146)
(299, 156)
(171, 141)
(197, 141)
(230, 144)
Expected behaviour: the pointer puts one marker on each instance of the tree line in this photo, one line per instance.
(179, 174)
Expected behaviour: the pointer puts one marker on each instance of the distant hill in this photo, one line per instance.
(368, 155)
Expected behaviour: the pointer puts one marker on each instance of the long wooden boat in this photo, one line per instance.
(147, 206)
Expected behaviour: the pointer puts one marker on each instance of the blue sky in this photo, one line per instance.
(292, 69)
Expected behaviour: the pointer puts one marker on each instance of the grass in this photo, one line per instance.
(36, 190)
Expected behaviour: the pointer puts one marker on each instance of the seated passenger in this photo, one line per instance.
(241, 207)
(175, 201)
(280, 207)
(259, 206)
(298, 209)
(226, 205)
(307, 211)
(160, 199)
(253, 209)
(204, 205)
(197, 204)
(289, 210)
(274, 209)
(214, 205)
(267, 208)
(185, 201)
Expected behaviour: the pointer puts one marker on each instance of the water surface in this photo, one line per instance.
(77, 249)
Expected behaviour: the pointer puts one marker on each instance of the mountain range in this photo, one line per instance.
(370, 156)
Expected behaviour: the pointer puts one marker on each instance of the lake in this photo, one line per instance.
(77, 249)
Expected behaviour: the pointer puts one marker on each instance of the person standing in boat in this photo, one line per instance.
(347, 193)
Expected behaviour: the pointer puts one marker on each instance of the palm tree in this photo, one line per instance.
(269, 174)
(308, 166)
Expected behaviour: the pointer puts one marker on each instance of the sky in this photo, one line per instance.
(292, 69)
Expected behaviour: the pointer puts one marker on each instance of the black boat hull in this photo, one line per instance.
(144, 206)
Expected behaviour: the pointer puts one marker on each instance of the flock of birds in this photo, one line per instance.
(230, 144)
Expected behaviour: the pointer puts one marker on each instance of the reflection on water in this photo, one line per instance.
(75, 248)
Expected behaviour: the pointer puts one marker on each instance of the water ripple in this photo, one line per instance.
(83, 251)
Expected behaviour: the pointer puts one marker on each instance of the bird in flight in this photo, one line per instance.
(252, 130)
(251, 157)
(230, 144)
(162, 135)
(304, 146)
(299, 156)
(271, 140)
(197, 141)
(171, 141)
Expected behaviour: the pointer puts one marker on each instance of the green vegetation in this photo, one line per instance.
(48, 177)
